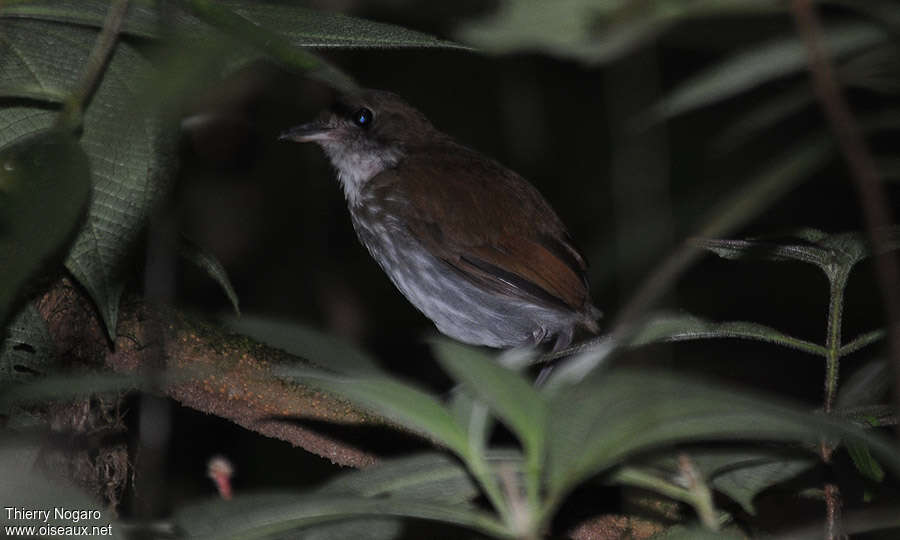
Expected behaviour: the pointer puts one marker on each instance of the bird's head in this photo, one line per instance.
(365, 133)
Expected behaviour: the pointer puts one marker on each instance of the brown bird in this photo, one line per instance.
(469, 242)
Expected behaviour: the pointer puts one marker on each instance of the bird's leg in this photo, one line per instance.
(563, 340)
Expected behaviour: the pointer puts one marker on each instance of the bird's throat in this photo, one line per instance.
(356, 167)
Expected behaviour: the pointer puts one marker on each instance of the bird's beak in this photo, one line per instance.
(312, 131)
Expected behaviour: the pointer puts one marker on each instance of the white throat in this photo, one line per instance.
(355, 168)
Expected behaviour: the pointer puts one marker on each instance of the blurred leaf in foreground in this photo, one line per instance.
(44, 186)
(590, 31)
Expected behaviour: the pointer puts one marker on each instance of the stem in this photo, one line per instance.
(837, 283)
(485, 476)
(863, 340)
(864, 172)
(702, 496)
(73, 110)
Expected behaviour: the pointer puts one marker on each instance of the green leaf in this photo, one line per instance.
(259, 516)
(131, 154)
(740, 473)
(832, 253)
(426, 477)
(513, 399)
(429, 477)
(28, 350)
(864, 462)
(44, 186)
(587, 30)
(682, 532)
(682, 327)
(208, 262)
(867, 385)
(611, 415)
(299, 340)
(760, 64)
(309, 28)
(405, 404)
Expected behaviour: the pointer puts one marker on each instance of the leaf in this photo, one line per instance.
(832, 253)
(590, 31)
(426, 477)
(683, 532)
(864, 462)
(740, 473)
(310, 28)
(143, 21)
(682, 327)
(318, 347)
(760, 64)
(44, 186)
(207, 262)
(613, 414)
(131, 153)
(28, 350)
(405, 404)
(423, 477)
(513, 399)
(264, 515)
(866, 386)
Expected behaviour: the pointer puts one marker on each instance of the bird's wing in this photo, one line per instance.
(487, 223)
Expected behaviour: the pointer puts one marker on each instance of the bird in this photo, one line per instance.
(470, 243)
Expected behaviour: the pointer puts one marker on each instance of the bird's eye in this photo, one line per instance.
(363, 117)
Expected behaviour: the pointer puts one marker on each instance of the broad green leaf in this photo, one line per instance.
(683, 532)
(590, 31)
(44, 187)
(405, 404)
(425, 477)
(309, 28)
(130, 152)
(513, 399)
(28, 349)
(682, 327)
(258, 516)
(322, 349)
(611, 415)
(763, 63)
(208, 262)
(143, 21)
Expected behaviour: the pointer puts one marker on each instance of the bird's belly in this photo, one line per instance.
(458, 307)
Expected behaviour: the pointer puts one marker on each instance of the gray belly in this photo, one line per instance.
(458, 308)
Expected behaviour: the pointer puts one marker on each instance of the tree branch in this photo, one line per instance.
(224, 374)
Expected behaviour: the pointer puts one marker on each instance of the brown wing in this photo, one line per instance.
(488, 223)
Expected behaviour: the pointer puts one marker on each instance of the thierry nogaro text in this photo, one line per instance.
(15, 513)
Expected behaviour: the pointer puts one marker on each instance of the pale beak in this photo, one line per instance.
(312, 131)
